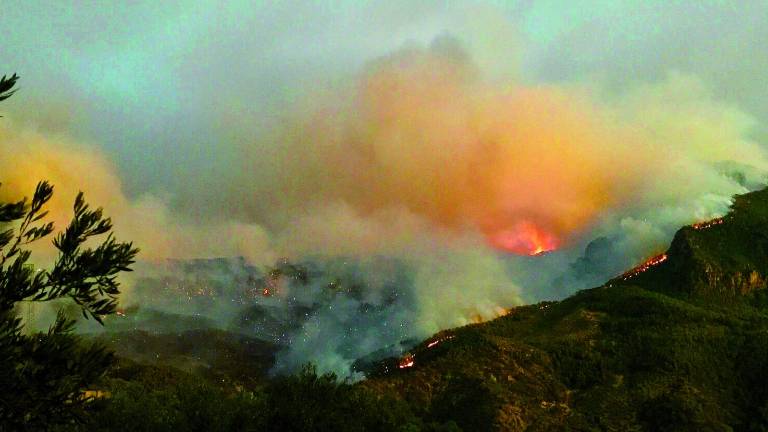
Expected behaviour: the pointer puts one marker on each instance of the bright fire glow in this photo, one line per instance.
(658, 259)
(708, 224)
(406, 362)
(437, 341)
(525, 238)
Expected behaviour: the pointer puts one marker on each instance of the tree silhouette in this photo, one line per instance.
(42, 375)
(6, 86)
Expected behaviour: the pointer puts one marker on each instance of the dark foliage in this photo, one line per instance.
(42, 374)
(468, 401)
(149, 398)
(311, 402)
(6, 86)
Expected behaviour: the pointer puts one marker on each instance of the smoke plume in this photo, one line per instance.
(429, 177)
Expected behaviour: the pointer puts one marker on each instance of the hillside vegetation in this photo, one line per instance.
(680, 346)
(677, 344)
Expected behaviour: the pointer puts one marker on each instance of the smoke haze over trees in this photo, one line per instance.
(447, 137)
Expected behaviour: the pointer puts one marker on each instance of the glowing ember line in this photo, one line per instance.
(406, 362)
(408, 359)
(708, 224)
(437, 341)
(658, 259)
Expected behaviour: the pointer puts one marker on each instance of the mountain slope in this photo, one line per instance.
(678, 344)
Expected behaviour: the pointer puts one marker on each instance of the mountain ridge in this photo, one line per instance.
(678, 343)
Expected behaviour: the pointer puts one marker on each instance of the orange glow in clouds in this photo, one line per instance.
(422, 133)
(528, 167)
(525, 238)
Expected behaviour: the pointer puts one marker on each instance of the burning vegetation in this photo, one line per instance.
(439, 340)
(658, 259)
(642, 268)
(409, 359)
(406, 361)
(708, 224)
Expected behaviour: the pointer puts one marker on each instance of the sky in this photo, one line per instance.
(154, 83)
(456, 136)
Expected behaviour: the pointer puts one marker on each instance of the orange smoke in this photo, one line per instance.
(28, 156)
(526, 166)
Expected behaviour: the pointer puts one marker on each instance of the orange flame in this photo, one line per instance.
(406, 361)
(708, 224)
(642, 268)
(524, 238)
(437, 341)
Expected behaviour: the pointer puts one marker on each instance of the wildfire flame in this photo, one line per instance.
(406, 362)
(437, 341)
(708, 224)
(658, 259)
(524, 238)
(409, 359)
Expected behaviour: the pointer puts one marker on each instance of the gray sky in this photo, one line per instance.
(167, 87)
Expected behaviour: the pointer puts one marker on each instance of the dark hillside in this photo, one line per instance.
(724, 259)
(680, 343)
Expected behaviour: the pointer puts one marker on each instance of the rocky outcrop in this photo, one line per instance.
(697, 268)
(713, 281)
